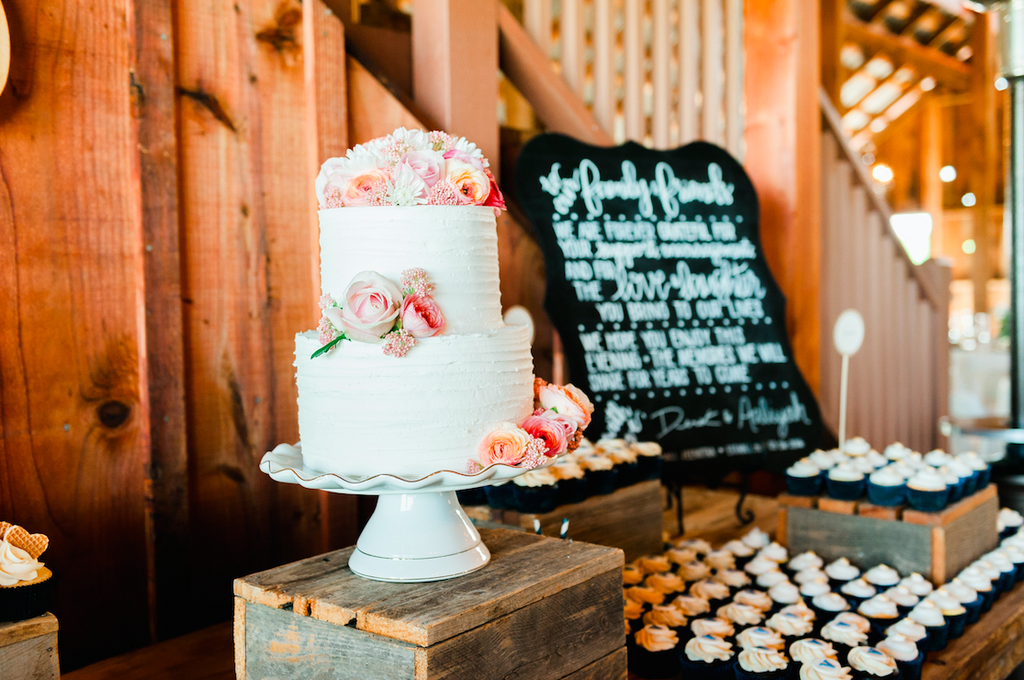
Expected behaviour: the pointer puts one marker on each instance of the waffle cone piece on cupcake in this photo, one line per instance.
(24, 581)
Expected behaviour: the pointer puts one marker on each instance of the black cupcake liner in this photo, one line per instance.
(502, 496)
(927, 501)
(627, 474)
(18, 603)
(938, 637)
(601, 482)
(845, 491)
(956, 491)
(957, 623)
(652, 665)
(803, 486)
(974, 609)
(784, 674)
(911, 670)
(889, 496)
(536, 499)
(648, 467)
(572, 490)
(698, 670)
(475, 496)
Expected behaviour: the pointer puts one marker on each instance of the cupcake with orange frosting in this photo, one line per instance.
(706, 657)
(666, 582)
(670, 617)
(634, 612)
(24, 582)
(654, 652)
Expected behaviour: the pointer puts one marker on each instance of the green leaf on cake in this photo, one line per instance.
(328, 347)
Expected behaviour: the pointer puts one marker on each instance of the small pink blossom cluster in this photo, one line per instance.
(374, 308)
(409, 167)
(556, 426)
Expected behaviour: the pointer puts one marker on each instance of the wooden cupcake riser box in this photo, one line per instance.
(935, 544)
(628, 518)
(543, 609)
(28, 649)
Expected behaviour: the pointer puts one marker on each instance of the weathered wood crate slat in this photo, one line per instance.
(628, 519)
(28, 649)
(935, 544)
(543, 608)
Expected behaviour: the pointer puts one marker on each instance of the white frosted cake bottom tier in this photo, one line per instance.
(362, 413)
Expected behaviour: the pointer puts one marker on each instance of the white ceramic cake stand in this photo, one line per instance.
(418, 532)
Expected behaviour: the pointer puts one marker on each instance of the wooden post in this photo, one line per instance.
(984, 142)
(931, 164)
(833, 35)
(784, 161)
(455, 68)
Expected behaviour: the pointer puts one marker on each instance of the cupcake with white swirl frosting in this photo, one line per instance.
(825, 669)
(843, 637)
(869, 663)
(806, 650)
(905, 653)
(803, 478)
(707, 657)
(762, 663)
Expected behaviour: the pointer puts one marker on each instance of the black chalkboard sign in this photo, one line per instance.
(658, 286)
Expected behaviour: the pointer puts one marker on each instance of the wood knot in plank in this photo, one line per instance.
(283, 34)
(210, 103)
(113, 413)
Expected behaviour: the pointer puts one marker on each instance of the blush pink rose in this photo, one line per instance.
(421, 316)
(551, 432)
(369, 308)
(568, 424)
(507, 445)
(568, 401)
(425, 164)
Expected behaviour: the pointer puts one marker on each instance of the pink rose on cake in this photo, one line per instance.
(421, 316)
(468, 176)
(567, 400)
(369, 308)
(551, 432)
(426, 164)
(508, 445)
(568, 424)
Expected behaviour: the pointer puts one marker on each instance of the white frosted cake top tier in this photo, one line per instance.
(456, 245)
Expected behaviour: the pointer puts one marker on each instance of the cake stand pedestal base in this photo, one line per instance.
(418, 537)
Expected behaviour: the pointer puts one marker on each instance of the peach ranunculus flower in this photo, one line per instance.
(369, 308)
(468, 176)
(507, 444)
(551, 432)
(569, 401)
(421, 316)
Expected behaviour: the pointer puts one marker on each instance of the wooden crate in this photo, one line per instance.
(935, 544)
(628, 519)
(28, 649)
(542, 609)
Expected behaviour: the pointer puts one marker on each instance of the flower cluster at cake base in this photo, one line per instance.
(376, 310)
(561, 413)
(409, 167)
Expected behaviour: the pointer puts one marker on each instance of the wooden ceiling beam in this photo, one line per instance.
(905, 50)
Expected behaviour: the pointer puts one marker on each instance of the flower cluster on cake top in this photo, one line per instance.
(374, 308)
(408, 168)
(561, 413)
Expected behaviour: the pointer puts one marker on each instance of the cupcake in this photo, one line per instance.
(856, 446)
(803, 478)
(881, 612)
(856, 591)
(993, 573)
(755, 598)
(805, 560)
(720, 559)
(896, 451)
(953, 483)
(644, 595)
(648, 458)
(806, 651)
(760, 565)
(965, 473)
(886, 487)
(760, 637)
(632, 575)
(917, 584)
(721, 628)
(717, 594)
(680, 556)
(909, 659)
(855, 620)
(930, 616)
(783, 594)
(761, 663)
(936, 458)
(1007, 569)
(756, 539)
(600, 474)
(669, 617)
(869, 663)
(770, 578)
(705, 657)
(927, 491)
(912, 631)
(735, 579)
(975, 579)
(536, 491)
(572, 482)
(843, 637)
(980, 467)
(828, 605)
(823, 459)
(842, 572)
(741, 614)
(741, 551)
(626, 462)
(654, 652)
(968, 597)
(825, 669)
(790, 626)
(876, 459)
(634, 615)
(904, 599)
(694, 571)
(812, 589)
(882, 577)
(666, 583)
(691, 606)
(654, 564)
(501, 496)
(863, 465)
(845, 483)
(809, 574)
(699, 546)
(801, 610)
(954, 612)
(1016, 556)
(774, 552)
(24, 582)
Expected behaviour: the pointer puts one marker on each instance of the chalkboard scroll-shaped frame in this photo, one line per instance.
(658, 286)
